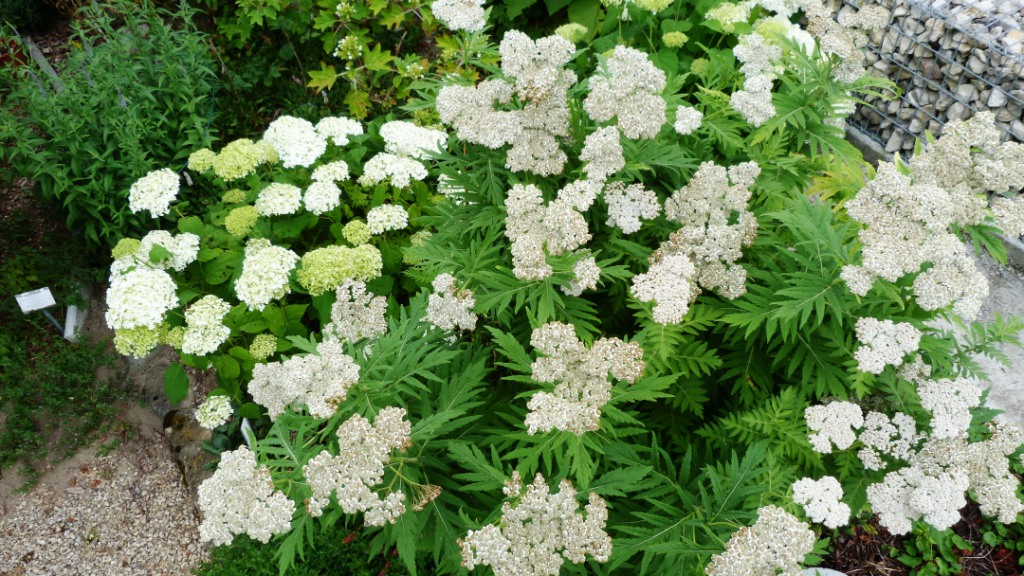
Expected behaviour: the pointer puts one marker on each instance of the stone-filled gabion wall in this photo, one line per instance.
(951, 58)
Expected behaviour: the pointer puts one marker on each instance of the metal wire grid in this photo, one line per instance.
(924, 65)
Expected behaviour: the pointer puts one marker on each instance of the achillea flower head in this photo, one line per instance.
(884, 343)
(295, 140)
(240, 499)
(241, 220)
(688, 120)
(265, 273)
(263, 346)
(338, 129)
(880, 437)
(278, 199)
(458, 15)
(318, 382)
(352, 475)
(533, 227)
(833, 423)
(586, 274)
(201, 160)
(205, 330)
(581, 378)
(775, 544)
(950, 402)
(821, 500)
(627, 205)
(154, 192)
(630, 91)
(214, 411)
(327, 268)
(356, 314)
(322, 197)
(386, 217)
(539, 532)
(602, 152)
(449, 308)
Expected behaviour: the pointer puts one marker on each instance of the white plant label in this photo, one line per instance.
(35, 300)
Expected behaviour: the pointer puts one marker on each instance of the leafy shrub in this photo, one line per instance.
(135, 93)
(642, 274)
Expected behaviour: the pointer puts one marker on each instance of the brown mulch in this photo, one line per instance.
(864, 550)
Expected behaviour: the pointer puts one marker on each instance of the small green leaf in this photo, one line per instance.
(175, 383)
(158, 254)
(249, 410)
(192, 225)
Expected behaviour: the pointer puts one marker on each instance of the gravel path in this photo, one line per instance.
(127, 513)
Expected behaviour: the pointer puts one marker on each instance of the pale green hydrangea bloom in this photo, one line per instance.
(240, 220)
(233, 196)
(201, 160)
(174, 337)
(699, 66)
(327, 268)
(125, 247)
(136, 342)
(729, 14)
(417, 239)
(674, 39)
(263, 346)
(572, 32)
(654, 6)
(238, 159)
(356, 232)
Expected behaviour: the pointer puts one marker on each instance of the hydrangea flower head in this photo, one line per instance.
(295, 140)
(154, 192)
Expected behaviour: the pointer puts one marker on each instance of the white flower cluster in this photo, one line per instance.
(587, 273)
(907, 226)
(356, 314)
(214, 412)
(581, 375)
(278, 199)
(629, 89)
(847, 38)
(336, 171)
(182, 248)
(337, 129)
(833, 423)
(994, 485)
(760, 67)
(154, 192)
(457, 15)
(449, 308)
(404, 145)
(688, 120)
(240, 499)
(628, 205)
(317, 381)
(322, 196)
(882, 437)
(669, 283)
(265, 272)
(140, 298)
(602, 152)
(295, 140)
(910, 493)
(950, 402)
(536, 535)
(540, 82)
(884, 343)
(409, 140)
(821, 500)
(533, 228)
(365, 452)
(386, 217)
(205, 330)
(1009, 215)
(712, 209)
(775, 544)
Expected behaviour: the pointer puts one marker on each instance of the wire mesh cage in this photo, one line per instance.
(950, 59)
